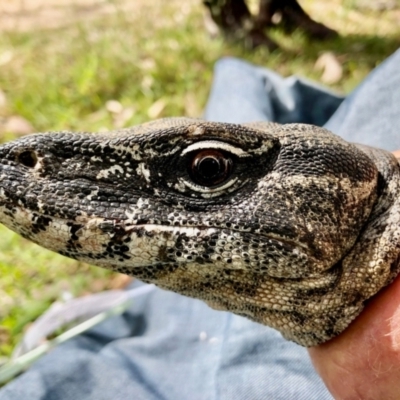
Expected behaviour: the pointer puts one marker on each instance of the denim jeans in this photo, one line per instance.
(370, 115)
(170, 347)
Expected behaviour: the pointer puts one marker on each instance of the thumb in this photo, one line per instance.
(364, 361)
(396, 153)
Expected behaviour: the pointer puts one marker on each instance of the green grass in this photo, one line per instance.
(156, 62)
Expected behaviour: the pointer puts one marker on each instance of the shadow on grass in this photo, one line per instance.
(369, 48)
(357, 53)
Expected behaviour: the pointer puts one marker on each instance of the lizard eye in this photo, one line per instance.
(210, 167)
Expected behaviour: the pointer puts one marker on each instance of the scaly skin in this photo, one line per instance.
(288, 225)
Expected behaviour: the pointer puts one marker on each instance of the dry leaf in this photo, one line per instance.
(147, 64)
(17, 125)
(6, 301)
(210, 26)
(156, 109)
(192, 108)
(114, 106)
(123, 117)
(3, 99)
(4, 335)
(6, 57)
(376, 5)
(120, 281)
(147, 82)
(331, 67)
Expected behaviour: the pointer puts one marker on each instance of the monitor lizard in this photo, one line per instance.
(288, 225)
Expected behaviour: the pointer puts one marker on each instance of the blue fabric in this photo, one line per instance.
(171, 347)
(242, 92)
(175, 348)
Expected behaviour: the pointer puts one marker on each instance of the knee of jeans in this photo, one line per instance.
(233, 65)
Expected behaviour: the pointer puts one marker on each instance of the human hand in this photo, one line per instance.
(363, 363)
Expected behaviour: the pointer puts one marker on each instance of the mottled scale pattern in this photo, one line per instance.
(301, 232)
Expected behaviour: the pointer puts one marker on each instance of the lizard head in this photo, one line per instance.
(252, 218)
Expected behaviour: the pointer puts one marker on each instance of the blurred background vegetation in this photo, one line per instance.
(95, 65)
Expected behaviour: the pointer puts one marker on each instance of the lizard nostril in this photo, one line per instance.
(28, 158)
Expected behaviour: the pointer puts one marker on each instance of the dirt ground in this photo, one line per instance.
(27, 15)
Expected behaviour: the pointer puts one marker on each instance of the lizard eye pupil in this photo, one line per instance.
(210, 167)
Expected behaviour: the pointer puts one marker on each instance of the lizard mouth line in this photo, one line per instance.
(196, 230)
(124, 227)
(115, 227)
